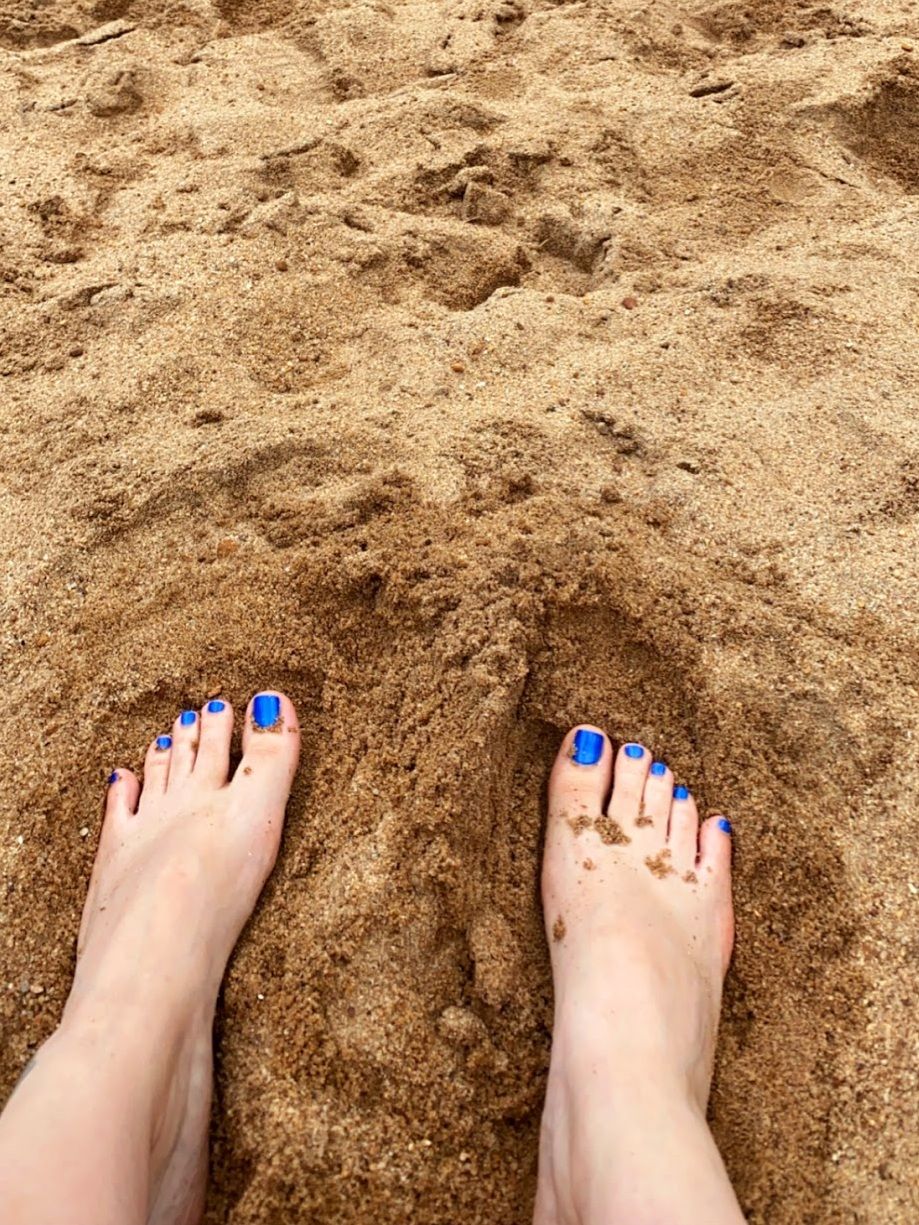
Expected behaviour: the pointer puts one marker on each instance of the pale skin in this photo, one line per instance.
(109, 1123)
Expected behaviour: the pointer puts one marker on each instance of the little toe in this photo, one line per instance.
(657, 799)
(215, 731)
(156, 765)
(271, 743)
(683, 834)
(185, 732)
(629, 774)
(122, 793)
(714, 871)
(580, 777)
(121, 798)
(715, 846)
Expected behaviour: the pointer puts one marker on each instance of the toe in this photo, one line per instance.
(156, 765)
(271, 743)
(715, 838)
(683, 835)
(121, 798)
(714, 871)
(215, 730)
(629, 774)
(580, 778)
(185, 732)
(657, 798)
(122, 794)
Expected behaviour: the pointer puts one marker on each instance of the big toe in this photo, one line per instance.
(578, 787)
(271, 745)
(581, 775)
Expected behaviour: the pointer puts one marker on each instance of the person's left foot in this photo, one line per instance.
(178, 871)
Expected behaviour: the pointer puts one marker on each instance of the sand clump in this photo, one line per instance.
(467, 370)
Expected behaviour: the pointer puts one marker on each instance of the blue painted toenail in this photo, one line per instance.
(634, 750)
(681, 792)
(187, 717)
(164, 742)
(725, 825)
(266, 709)
(113, 777)
(216, 706)
(658, 768)
(587, 748)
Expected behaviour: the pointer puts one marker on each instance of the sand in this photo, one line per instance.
(469, 369)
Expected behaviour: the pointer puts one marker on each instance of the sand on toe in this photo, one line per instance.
(470, 370)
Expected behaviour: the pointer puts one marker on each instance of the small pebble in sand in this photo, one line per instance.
(457, 367)
(76, 351)
(37, 989)
(630, 302)
(282, 265)
(84, 832)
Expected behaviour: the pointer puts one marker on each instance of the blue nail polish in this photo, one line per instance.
(634, 750)
(113, 777)
(587, 748)
(725, 825)
(164, 742)
(187, 717)
(216, 706)
(680, 792)
(266, 709)
(658, 768)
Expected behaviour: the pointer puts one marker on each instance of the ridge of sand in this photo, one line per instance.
(469, 369)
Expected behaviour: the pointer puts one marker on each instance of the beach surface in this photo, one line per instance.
(468, 370)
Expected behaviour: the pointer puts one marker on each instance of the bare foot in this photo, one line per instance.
(110, 1124)
(637, 902)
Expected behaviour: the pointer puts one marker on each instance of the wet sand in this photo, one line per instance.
(468, 370)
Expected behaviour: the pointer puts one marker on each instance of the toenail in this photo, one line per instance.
(634, 750)
(163, 742)
(587, 748)
(681, 792)
(725, 825)
(266, 709)
(658, 768)
(113, 777)
(187, 717)
(216, 706)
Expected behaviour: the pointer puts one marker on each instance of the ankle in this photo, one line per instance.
(637, 1150)
(611, 1058)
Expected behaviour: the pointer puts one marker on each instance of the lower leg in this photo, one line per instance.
(82, 1138)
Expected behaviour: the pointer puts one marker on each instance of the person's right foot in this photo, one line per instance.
(118, 1100)
(637, 903)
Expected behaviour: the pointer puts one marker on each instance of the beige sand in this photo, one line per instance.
(469, 369)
